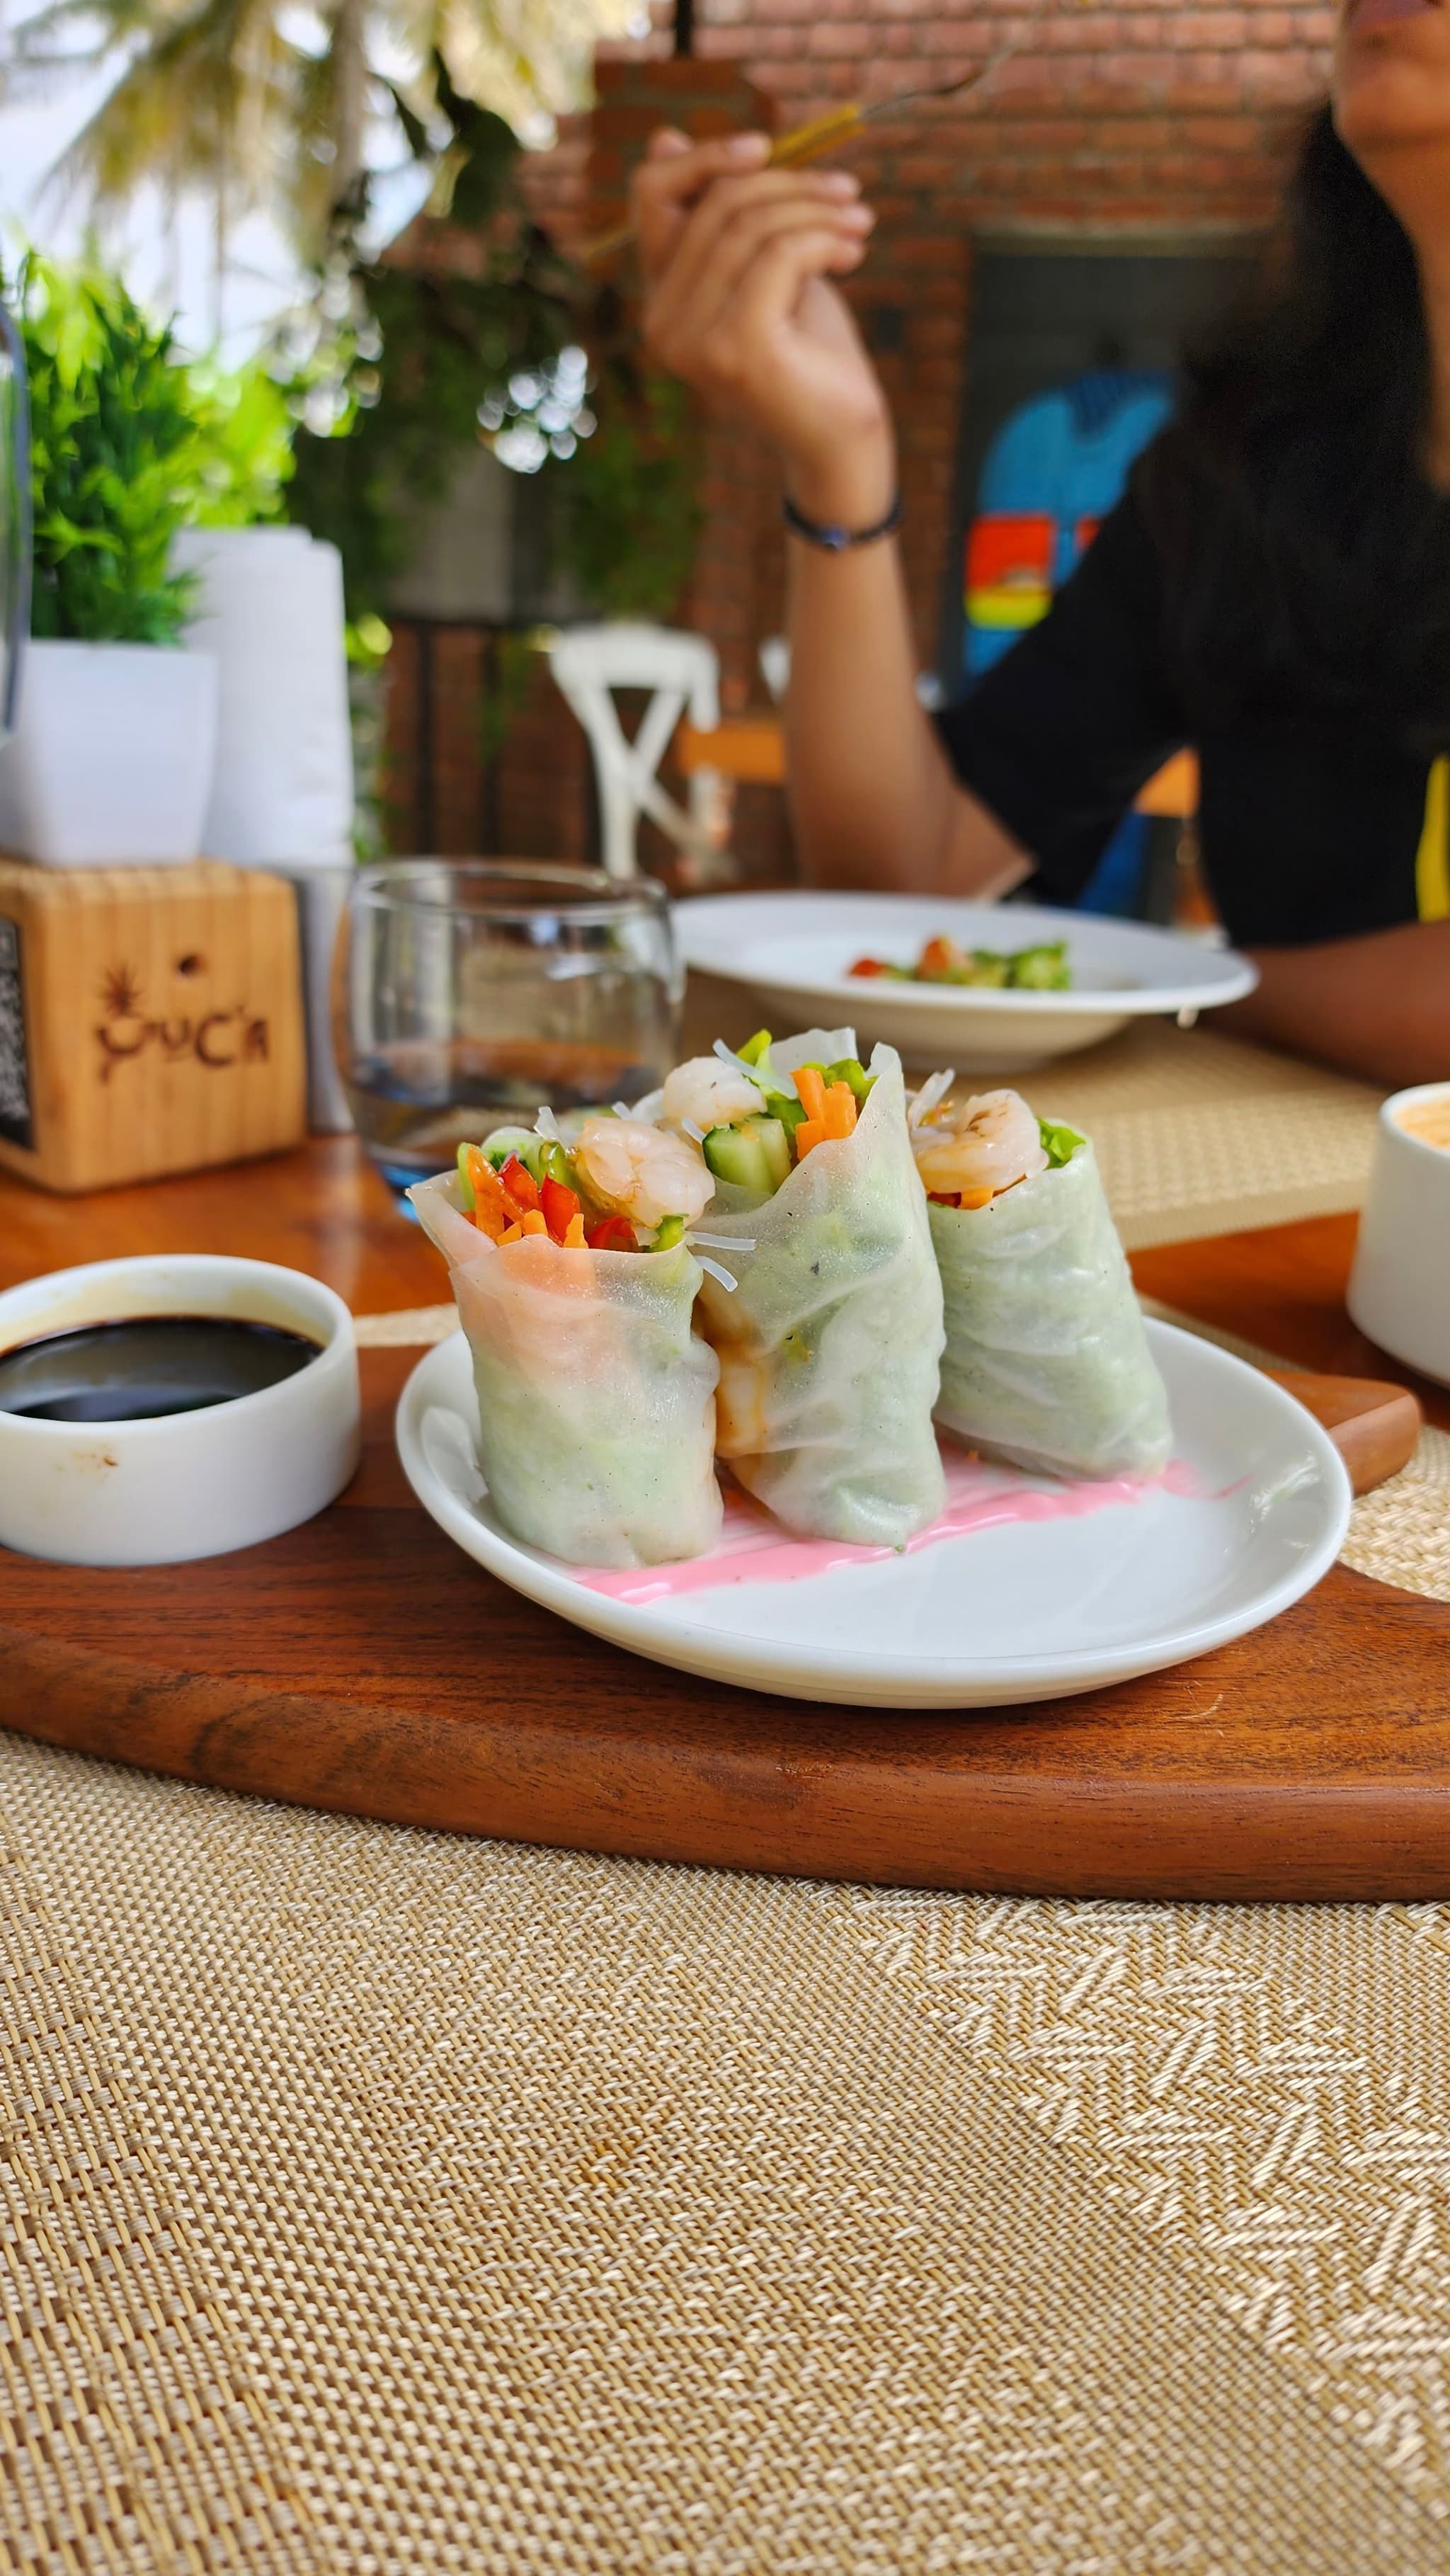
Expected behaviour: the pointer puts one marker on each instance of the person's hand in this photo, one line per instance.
(737, 261)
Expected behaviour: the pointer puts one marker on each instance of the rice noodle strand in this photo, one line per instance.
(932, 1093)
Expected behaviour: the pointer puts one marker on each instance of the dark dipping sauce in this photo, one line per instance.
(148, 1367)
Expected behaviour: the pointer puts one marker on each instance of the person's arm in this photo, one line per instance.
(737, 261)
(873, 798)
(1377, 1006)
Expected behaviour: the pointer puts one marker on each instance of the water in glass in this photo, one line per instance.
(469, 992)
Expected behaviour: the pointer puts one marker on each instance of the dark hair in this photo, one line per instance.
(1306, 556)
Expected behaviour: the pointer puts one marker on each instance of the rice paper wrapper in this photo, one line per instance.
(830, 1345)
(1047, 1362)
(596, 1400)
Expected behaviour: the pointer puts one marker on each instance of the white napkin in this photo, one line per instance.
(269, 606)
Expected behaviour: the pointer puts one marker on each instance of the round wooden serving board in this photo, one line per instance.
(363, 1664)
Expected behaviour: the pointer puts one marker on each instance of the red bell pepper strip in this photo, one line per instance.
(559, 1204)
(612, 1234)
(519, 1186)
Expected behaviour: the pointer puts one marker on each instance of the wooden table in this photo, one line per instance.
(363, 1664)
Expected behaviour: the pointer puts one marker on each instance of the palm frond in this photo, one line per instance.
(211, 90)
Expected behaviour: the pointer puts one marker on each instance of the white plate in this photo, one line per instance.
(794, 950)
(1022, 1611)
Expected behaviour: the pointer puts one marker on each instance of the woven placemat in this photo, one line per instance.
(381, 2204)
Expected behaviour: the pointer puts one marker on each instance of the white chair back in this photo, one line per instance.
(683, 671)
(775, 666)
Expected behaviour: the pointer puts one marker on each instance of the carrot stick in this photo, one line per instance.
(491, 1210)
(810, 1132)
(839, 1116)
(811, 1090)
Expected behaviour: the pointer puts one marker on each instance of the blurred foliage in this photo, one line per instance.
(244, 433)
(628, 515)
(263, 103)
(128, 445)
(396, 372)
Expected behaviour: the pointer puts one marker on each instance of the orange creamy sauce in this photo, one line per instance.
(1429, 1120)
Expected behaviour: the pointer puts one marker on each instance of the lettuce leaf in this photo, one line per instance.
(1059, 1144)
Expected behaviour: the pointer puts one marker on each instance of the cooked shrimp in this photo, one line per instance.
(640, 1172)
(709, 1094)
(984, 1144)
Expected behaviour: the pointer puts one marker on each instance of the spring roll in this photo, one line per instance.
(830, 1339)
(596, 1397)
(1047, 1363)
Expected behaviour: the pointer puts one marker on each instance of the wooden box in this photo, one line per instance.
(150, 1021)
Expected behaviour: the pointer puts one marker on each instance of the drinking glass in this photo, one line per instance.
(467, 992)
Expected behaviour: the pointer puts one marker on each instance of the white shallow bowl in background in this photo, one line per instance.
(793, 950)
(1023, 1611)
(1399, 1289)
(181, 1485)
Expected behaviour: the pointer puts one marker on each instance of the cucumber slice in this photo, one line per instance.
(1042, 970)
(854, 1075)
(522, 1141)
(774, 1143)
(671, 1232)
(736, 1154)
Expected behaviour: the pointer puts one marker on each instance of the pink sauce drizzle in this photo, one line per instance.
(755, 1549)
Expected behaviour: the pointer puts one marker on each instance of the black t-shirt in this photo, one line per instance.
(1312, 830)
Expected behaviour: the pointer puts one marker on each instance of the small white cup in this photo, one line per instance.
(1399, 1290)
(181, 1485)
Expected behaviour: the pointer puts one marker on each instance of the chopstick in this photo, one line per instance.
(822, 134)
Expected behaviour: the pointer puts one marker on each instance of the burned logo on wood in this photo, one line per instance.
(216, 1038)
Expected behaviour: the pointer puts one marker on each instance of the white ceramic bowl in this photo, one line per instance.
(1399, 1290)
(186, 1484)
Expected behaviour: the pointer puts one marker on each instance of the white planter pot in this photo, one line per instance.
(111, 761)
(269, 606)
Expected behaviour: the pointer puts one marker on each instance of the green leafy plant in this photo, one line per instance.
(111, 430)
(127, 446)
